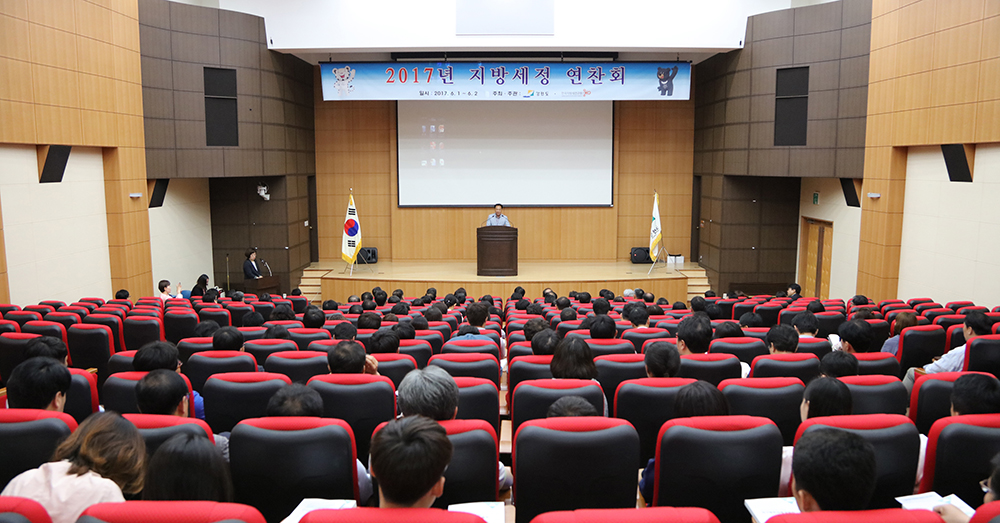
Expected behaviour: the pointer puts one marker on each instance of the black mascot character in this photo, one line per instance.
(666, 76)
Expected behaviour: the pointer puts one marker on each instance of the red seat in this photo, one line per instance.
(420, 350)
(45, 328)
(745, 348)
(919, 345)
(202, 365)
(886, 515)
(576, 462)
(158, 428)
(376, 515)
(65, 318)
(90, 346)
(22, 317)
(647, 403)
(362, 400)
(877, 394)
(189, 346)
(235, 396)
(897, 449)
(12, 346)
(31, 510)
(531, 399)
(472, 474)
(478, 398)
(629, 515)
(640, 334)
(804, 366)
(395, 366)
(252, 333)
(983, 354)
(179, 324)
(986, 512)
(466, 346)
(775, 398)
(877, 363)
(713, 368)
(930, 399)
(172, 512)
(955, 305)
(601, 347)
(303, 336)
(140, 330)
(692, 470)
(9, 326)
(263, 348)
(473, 365)
(82, 398)
(524, 368)
(959, 449)
(299, 366)
(818, 346)
(114, 323)
(28, 438)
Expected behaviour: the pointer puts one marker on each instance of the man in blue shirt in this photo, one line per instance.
(976, 324)
(498, 218)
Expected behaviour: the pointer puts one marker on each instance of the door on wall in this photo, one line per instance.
(815, 255)
(313, 220)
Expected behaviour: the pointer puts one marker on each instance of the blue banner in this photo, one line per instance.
(506, 81)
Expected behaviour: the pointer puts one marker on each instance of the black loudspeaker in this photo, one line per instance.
(368, 255)
(641, 255)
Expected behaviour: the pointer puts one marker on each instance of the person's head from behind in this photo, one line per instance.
(477, 313)
(162, 392)
(210, 296)
(859, 299)
(832, 470)
(700, 398)
(328, 305)
(433, 314)
(384, 342)
(904, 320)
(855, 336)
(698, 303)
(156, 355)
(826, 397)
(429, 392)
(976, 324)
(419, 323)
(295, 400)
(567, 314)
(38, 383)
(662, 360)
(535, 309)
(975, 394)
(122, 294)
(187, 467)
(601, 306)
(369, 305)
(815, 306)
(728, 329)
(562, 303)
(839, 363)
(282, 312)
(355, 309)
(380, 297)
(228, 338)
(313, 318)
(573, 360)
(534, 326)
(639, 316)
(751, 319)
(714, 311)
(694, 334)
(206, 328)
(345, 331)
(805, 323)
(369, 320)
(544, 342)
(346, 357)
(108, 445)
(405, 330)
(409, 456)
(47, 347)
(277, 332)
(253, 319)
(782, 339)
(583, 297)
(571, 406)
(237, 296)
(603, 327)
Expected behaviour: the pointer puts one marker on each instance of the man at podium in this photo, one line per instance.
(498, 218)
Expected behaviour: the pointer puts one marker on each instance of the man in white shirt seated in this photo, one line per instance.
(976, 324)
(498, 218)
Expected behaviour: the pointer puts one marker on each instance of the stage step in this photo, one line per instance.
(697, 282)
(311, 284)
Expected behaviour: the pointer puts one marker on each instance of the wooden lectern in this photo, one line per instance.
(496, 251)
(268, 284)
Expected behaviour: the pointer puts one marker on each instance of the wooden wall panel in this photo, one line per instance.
(70, 75)
(933, 81)
(356, 148)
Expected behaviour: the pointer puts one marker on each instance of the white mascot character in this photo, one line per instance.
(344, 76)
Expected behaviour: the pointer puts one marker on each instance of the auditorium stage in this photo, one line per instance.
(414, 277)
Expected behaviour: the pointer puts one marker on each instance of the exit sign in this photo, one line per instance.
(815, 198)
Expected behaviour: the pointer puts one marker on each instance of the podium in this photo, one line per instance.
(496, 251)
(268, 284)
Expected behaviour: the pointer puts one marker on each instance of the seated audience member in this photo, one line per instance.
(806, 324)
(903, 320)
(355, 309)
(38, 383)
(662, 360)
(409, 457)
(405, 330)
(833, 470)
(639, 317)
(952, 514)
(468, 332)
(864, 314)
(282, 312)
(534, 326)
(345, 331)
(390, 318)
(253, 319)
(567, 314)
(823, 397)
(859, 299)
(975, 394)
(299, 400)
(383, 342)
(431, 392)
(348, 357)
(205, 328)
(166, 393)
(628, 293)
(353, 299)
(122, 294)
(562, 303)
(277, 332)
(654, 310)
(237, 296)
(381, 297)
(210, 296)
(855, 336)
(370, 321)
(228, 338)
(368, 305)
(583, 297)
(330, 305)
(781, 294)
(976, 324)
(200, 286)
(544, 342)
(420, 323)
(601, 306)
(728, 329)
(793, 291)
(714, 311)
(99, 461)
(694, 335)
(573, 359)
(648, 297)
(187, 467)
(47, 346)
(400, 309)
(639, 293)
(693, 400)
(782, 339)
(165, 290)
(698, 304)
(603, 327)
(535, 309)
(815, 306)
(313, 318)
(663, 302)
(678, 306)
(750, 320)
(571, 406)
(164, 355)
(477, 314)
(433, 314)
(838, 364)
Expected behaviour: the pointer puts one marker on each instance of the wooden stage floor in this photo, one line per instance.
(414, 277)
